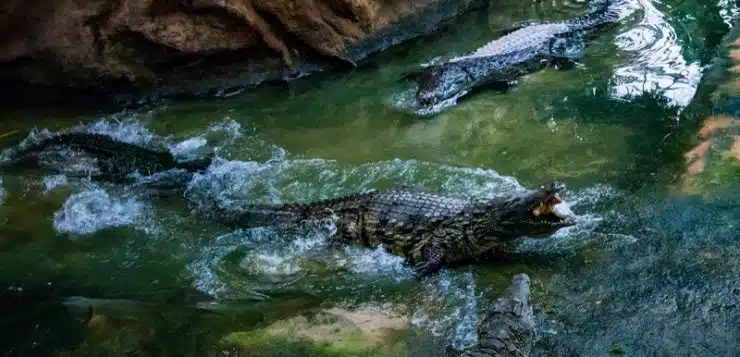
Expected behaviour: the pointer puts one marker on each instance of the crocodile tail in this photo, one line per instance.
(15, 155)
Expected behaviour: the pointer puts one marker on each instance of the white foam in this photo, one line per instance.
(129, 129)
(94, 209)
(54, 181)
(188, 145)
(217, 136)
(228, 126)
(376, 262)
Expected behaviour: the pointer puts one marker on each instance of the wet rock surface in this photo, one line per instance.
(196, 46)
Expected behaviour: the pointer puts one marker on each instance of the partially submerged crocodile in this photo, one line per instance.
(429, 230)
(115, 160)
(508, 328)
(527, 48)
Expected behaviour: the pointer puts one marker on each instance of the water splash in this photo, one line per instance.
(54, 181)
(2, 191)
(188, 148)
(450, 309)
(658, 64)
(587, 230)
(130, 130)
(228, 127)
(95, 209)
(34, 137)
(234, 183)
(217, 136)
(375, 262)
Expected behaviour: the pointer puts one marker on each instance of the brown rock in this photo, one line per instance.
(190, 46)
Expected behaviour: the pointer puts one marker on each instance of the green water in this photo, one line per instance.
(651, 272)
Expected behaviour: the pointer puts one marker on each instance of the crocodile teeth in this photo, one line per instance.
(562, 210)
(542, 208)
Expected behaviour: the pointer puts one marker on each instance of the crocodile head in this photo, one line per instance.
(441, 82)
(508, 327)
(536, 214)
(516, 300)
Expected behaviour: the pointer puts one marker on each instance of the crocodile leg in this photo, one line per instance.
(431, 257)
(434, 258)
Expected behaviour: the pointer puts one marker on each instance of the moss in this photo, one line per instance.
(345, 343)
(321, 334)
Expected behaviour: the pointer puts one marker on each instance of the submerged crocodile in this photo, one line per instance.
(115, 160)
(429, 230)
(526, 48)
(508, 328)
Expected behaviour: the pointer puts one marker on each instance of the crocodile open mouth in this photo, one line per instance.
(553, 210)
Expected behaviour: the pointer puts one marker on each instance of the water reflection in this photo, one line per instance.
(657, 62)
(728, 10)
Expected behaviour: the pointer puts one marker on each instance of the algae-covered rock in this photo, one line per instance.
(332, 332)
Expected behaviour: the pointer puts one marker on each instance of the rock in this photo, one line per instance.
(194, 46)
(333, 332)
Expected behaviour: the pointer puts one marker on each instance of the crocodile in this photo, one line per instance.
(526, 48)
(429, 230)
(508, 328)
(115, 160)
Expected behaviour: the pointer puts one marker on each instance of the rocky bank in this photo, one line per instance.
(196, 46)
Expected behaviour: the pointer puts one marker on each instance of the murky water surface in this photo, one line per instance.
(648, 272)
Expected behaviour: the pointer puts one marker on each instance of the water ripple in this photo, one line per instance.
(658, 63)
(728, 10)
